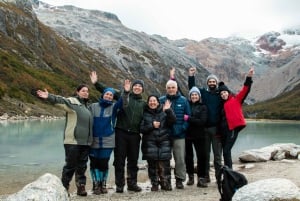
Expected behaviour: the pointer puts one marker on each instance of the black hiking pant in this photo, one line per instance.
(76, 158)
(127, 147)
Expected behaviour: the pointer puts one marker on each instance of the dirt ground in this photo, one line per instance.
(253, 171)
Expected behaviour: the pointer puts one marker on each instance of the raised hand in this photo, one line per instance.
(167, 105)
(42, 94)
(192, 71)
(93, 77)
(127, 85)
(172, 73)
(251, 72)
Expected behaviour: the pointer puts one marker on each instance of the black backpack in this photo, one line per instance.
(228, 182)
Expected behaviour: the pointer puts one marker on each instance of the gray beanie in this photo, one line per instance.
(212, 76)
(194, 90)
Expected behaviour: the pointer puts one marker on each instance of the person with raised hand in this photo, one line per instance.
(104, 115)
(127, 133)
(233, 120)
(156, 142)
(77, 135)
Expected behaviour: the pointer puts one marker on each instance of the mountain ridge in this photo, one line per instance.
(56, 60)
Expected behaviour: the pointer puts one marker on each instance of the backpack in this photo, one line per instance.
(228, 182)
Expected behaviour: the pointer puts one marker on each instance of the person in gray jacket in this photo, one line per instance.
(77, 135)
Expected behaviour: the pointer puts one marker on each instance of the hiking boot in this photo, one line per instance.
(103, 188)
(81, 190)
(134, 187)
(166, 186)
(207, 177)
(119, 189)
(179, 184)
(191, 180)
(96, 188)
(202, 183)
(154, 188)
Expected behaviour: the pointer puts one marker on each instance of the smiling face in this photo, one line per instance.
(153, 102)
(224, 95)
(108, 96)
(212, 84)
(137, 89)
(195, 97)
(83, 93)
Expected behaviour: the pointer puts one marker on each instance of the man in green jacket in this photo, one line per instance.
(127, 135)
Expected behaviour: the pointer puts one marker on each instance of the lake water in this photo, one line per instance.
(28, 147)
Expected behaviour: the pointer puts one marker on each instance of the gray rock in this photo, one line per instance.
(267, 189)
(46, 188)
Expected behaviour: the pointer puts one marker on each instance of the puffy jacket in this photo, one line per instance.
(156, 143)
(197, 120)
(213, 102)
(180, 106)
(79, 120)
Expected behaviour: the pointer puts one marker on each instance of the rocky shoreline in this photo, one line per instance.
(6, 117)
(288, 169)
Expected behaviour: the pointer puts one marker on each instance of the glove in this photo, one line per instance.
(185, 117)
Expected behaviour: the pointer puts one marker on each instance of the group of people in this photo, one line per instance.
(168, 126)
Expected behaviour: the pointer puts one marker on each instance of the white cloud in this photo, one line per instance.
(197, 19)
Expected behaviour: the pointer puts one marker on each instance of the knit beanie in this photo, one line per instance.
(194, 90)
(223, 87)
(109, 90)
(212, 76)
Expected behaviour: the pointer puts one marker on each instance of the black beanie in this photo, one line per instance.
(223, 87)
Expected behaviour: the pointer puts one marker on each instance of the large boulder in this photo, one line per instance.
(276, 151)
(46, 188)
(267, 189)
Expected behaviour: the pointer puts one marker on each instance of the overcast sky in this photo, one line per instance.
(198, 19)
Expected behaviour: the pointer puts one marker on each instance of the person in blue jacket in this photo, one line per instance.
(181, 107)
(104, 119)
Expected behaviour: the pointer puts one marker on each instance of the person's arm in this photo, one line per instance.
(191, 78)
(241, 96)
(172, 77)
(100, 86)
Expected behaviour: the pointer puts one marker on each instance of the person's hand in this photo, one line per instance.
(192, 71)
(185, 117)
(93, 77)
(251, 72)
(156, 124)
(167, 105)
(172, 73)
(127, 85)
(42, 94)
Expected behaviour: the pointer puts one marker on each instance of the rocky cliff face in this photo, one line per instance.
(142, 55)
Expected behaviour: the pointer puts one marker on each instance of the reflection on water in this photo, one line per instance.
(31, 143)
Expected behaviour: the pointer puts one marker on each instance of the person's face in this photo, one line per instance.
(195, 97)
(137, 89)
(108, 96)
(153, 103)
(171, 89)
(212, 84)
(83, 93)
(224, 95)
